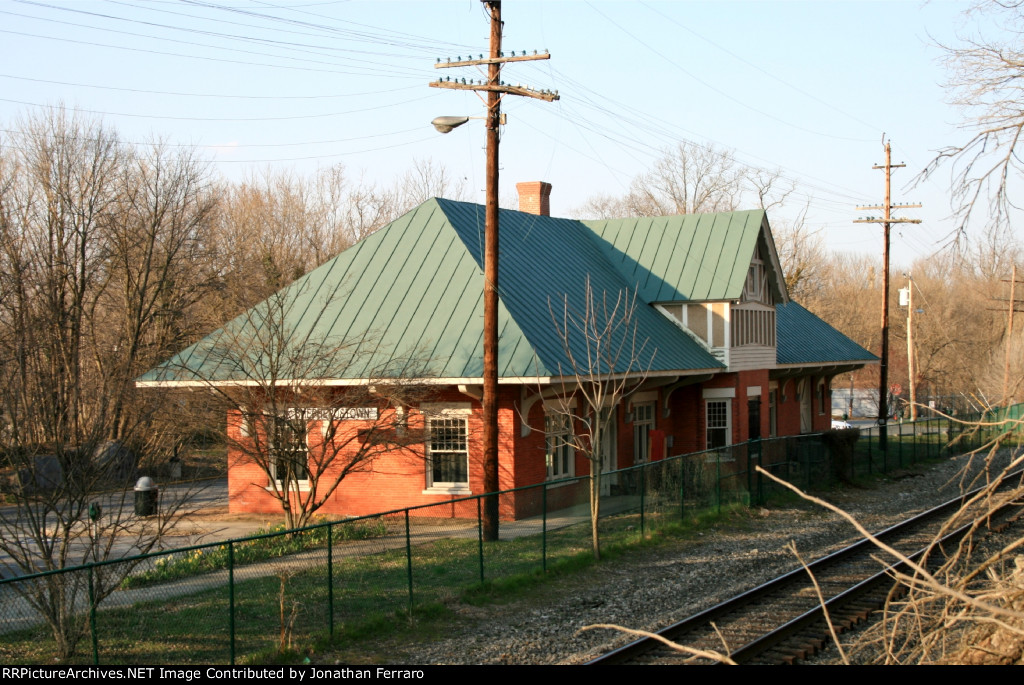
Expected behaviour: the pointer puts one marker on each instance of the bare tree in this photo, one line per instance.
(156, 258)
(303, 434)
(274, 227)
(607, 361)
(427, 179)
(985, 83)
(803, 256)
(67, 484)
(693, 179)
(956, 333)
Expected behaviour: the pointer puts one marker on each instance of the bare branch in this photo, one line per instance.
(606, 361)
(695, 653)
(985, 83)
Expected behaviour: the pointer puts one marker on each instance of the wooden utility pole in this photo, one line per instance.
(1007, 400)
(495, 90)
(910, 348)
(1009, 333)
(886, 220)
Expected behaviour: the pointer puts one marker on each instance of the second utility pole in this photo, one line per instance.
(910, 348)
(887, 220)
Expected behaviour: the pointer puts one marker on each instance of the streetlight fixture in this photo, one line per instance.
(447, 124)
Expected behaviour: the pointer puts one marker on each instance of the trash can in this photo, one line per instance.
(145, 497)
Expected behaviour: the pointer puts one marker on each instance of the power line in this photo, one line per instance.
(760, 69)
(321, 50)
(199, 146)
(205, 58)
(714, 88)
(657, 127)
(210, 95)
(403, 103)
(320, 155)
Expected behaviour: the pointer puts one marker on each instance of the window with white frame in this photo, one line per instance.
(288, 456)
(558, 442)
(643, 424)
(718, 423)
(447, 448)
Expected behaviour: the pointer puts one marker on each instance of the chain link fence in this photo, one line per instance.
(251, 599)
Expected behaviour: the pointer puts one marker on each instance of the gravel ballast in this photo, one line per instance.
(653, 587)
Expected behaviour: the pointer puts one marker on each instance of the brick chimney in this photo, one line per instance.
(534, 197)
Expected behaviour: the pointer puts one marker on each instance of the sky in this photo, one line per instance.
(806, 88)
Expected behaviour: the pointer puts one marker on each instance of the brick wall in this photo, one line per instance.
(393, 480)
(398, 479)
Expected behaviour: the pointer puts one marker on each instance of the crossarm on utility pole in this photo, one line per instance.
(491, 60)
(510, 90)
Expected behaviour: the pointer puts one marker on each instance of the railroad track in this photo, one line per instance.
(781, 621)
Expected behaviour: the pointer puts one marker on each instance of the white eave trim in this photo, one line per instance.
(802, 365)
(349, 382)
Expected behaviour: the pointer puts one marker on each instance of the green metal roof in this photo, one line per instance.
(688, 257)
(803, 338)
(408, 300)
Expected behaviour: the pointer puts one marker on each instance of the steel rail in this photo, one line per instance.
(835, 604)
(638, 647)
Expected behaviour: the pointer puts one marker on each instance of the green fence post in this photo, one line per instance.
(643, 492)
(480, 537)
(682, 489)
(408, 559)
(760, 476)
(884, 450)
(718, 480)
(231, 598)
(92, 618)
(802, 442)
(949, 434)
(330, 579)
(901, 445)
(544, 527)
(870, 470)
(750, 474)
(914, 435)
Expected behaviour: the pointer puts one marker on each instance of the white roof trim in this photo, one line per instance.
(344, 382)
(810, 365)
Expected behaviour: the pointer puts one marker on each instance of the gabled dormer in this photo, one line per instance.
(717, 276)
(752, 319)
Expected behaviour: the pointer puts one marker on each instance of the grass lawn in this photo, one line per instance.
(370, 592)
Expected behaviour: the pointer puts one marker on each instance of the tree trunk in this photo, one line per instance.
(595, 507)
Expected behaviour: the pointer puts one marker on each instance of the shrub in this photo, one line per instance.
(257, 548)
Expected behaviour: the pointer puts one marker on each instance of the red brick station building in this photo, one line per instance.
(727, 355)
